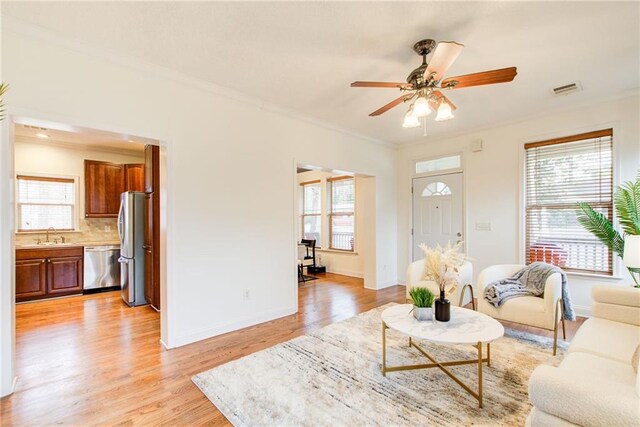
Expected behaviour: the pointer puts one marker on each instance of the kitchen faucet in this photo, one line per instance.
(48, 229)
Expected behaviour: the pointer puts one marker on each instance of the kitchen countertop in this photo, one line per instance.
(68, 245)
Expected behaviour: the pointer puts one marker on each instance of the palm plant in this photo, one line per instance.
(3, 88)
(627, 203)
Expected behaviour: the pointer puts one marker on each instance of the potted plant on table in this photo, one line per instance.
(422, 303)
(442, 267)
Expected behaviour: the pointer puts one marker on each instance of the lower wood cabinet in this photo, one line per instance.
(47, 273)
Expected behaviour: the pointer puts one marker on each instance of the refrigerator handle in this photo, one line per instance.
(120, 220)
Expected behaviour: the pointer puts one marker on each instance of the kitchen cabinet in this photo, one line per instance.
(48, 272)
(104, 182)
(151, 168)
(152, 225)
(134, 177)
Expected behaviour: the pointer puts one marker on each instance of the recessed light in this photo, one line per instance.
(42, 135)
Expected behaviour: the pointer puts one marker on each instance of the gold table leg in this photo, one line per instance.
(441, 365)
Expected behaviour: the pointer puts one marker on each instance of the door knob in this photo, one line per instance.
(459, 234)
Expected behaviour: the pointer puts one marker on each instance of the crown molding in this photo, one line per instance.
(17, 26)
(435, 138)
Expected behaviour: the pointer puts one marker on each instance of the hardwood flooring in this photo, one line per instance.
(91, 360)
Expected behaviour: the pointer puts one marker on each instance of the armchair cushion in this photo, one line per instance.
(528, 310)
(606, 338)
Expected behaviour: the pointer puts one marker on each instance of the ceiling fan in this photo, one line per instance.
(426, 82)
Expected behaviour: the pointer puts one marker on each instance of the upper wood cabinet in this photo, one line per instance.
(134, 177)
(151, 168)
(104, 182)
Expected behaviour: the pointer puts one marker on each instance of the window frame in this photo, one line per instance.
(612, 261)
(447, 171)
(331, 214)
(303, 214)
(47, 177)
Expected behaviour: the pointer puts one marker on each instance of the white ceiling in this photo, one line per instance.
(303, 56)
(57, 134)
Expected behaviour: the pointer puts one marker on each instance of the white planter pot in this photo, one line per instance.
(423, 313)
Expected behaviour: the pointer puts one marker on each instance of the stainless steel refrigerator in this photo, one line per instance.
(131, 231)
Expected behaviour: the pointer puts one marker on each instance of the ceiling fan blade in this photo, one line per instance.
(392, 104)
(444, 55)
(502, 75)
(391, 85)
(436, 103)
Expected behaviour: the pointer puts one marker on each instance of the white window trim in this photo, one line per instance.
(76, 208)
(414, 163)
(617, 136)
(328, 214)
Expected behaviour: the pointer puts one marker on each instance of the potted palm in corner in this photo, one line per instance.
(422, 303)
(3, 88)
(627, 203)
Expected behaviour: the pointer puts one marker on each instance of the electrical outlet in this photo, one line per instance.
(245, 295)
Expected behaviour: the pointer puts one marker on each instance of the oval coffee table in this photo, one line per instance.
(465, 327)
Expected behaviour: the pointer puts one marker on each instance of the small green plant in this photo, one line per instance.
(422, 297)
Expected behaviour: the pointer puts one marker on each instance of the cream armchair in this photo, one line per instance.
(541, 312)
(415, 278)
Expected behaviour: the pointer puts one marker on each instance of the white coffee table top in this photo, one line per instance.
(465, 327)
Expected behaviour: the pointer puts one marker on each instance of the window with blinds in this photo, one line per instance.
(559, 174)
(342, 213)
(311, 211)
(44, 202)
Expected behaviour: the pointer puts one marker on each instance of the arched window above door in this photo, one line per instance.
(436, 189)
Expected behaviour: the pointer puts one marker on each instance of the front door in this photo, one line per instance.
(437, 211)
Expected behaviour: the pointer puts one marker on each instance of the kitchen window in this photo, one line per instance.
(342, 213)
(44, 202)
(311, 211)
(559, 173)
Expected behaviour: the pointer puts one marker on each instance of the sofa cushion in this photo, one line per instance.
(587, 390)
(538, 418)
(607, 338)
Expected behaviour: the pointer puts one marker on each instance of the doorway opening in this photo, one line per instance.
(334, 224)
(86, 242)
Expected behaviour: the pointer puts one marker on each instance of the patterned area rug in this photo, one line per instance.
(332, 377)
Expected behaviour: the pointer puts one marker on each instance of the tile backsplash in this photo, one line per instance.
(91, 230)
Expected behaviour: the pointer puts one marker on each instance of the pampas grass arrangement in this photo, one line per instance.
(442, 266)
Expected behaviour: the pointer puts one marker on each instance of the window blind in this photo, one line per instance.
(558, 174)
(342, 214)
(45, 202)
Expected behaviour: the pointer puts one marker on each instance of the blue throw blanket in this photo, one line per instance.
(530, 281)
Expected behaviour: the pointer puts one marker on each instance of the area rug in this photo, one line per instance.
(332, 377)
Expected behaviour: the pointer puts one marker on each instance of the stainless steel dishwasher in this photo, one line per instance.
(101, 267)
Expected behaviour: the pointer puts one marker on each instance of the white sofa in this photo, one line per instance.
(595, 385)
(415, 278)
(541, 312)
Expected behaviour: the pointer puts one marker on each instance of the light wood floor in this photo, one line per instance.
(92, 360)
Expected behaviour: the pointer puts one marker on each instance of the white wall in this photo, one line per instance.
(49, 157)
(350, 264)
(218, 216)
(493, 180)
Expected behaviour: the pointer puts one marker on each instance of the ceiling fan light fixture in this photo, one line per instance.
(410, 120)
(421, 107)
(444, 112)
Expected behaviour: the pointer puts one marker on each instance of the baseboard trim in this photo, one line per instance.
(583, 311)
(351, 273)
(223, 328)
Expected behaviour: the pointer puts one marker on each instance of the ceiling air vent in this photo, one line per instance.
(35, 127)
(567, 89)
